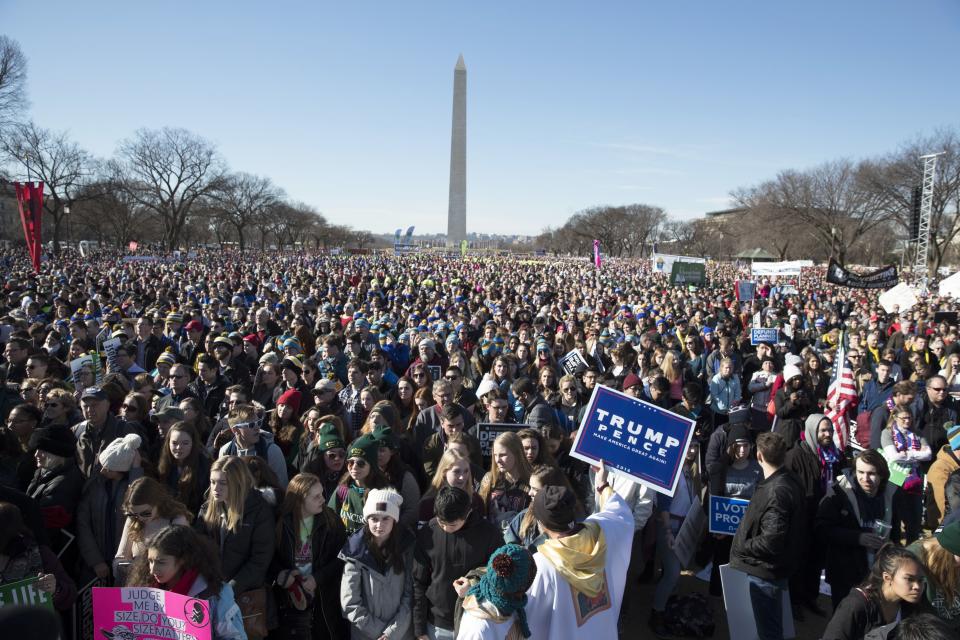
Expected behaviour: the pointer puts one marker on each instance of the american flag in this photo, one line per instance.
(841, 394)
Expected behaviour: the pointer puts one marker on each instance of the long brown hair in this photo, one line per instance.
(239, 483)
(300, 485)
(188, 482)
(148, 491)
(522, 469)
(186, 545)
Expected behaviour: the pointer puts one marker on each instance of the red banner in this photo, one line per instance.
(30, 201)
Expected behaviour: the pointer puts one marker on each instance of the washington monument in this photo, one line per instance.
(457, 212)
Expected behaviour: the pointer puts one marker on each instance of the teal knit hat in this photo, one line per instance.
(953, 435)
(510, 572)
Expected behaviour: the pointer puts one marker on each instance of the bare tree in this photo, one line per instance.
(167, 171)
(894, 177)
(50, 157)
(13, 78)
(831, 200)
(108, 211)
(241, 199)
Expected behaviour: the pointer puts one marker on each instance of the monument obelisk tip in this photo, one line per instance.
(457, 211)
(460, 65)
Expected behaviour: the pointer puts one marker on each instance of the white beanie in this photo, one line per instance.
(383, 502)
(792, 358)
(119, 454)
(791, 371)
(486, 386)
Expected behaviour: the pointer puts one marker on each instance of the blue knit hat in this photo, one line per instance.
(510, 572)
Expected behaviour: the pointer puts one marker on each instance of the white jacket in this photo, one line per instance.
(640, 499)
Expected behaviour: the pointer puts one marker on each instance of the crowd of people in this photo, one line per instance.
(299, 439)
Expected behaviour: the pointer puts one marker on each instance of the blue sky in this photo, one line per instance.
(347, 105)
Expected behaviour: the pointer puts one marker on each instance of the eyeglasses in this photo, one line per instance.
(905, 418)
(357, 462)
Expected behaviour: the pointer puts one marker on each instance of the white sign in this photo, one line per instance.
(663, 262)
(951, 286)
(788, 268)
(736, 600)
(902, 296)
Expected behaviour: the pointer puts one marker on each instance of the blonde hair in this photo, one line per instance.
(522, 470)
(239, 483)
(941, 567)
(449, 458)
(669, 366)
(64, 396)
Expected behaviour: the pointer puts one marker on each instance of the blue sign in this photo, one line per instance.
(726, 514)
(764, 334)
(639, 440)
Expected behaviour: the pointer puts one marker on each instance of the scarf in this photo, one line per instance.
(183, 584)
(904, 440)
(829, 456)
(580, 558)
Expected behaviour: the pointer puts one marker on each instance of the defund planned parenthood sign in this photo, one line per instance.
(640, 440)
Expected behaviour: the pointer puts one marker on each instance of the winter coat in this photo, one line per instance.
(377, 601)
(838, 526)
(327, 538)
(57, 492)
(440, 559)
(245, 555)
(791, 415)
(771, 531)
(101, 506)
(804, 461)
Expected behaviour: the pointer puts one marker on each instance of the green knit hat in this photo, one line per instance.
(510, 572)
(384, 437)
(329, 438)
(365, 447)
(949, 537)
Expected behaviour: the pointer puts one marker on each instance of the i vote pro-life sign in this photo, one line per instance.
(639, 440)
(726, 514)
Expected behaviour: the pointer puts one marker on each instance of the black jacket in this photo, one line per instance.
(856, 615)
(770, 533)
(57, 492)
(439, 559)
(326, 539)
(837, 527)
(245, 555)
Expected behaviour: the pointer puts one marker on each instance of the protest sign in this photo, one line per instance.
(76, 366)
(435, 372)
(573, 363)
(640, 440)
(110, 349)
(663, 262)
(746, 290)
(134, 613)
(882, 278)
(901, 297)
(741, 622)
(25, 593)
(725, 514)
(786, 268)
(688, 273)
(764, 334)
(950, 286)
(487, 432)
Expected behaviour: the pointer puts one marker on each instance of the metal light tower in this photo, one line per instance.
(923, 230)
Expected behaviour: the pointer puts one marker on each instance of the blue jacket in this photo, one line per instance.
(875, 394)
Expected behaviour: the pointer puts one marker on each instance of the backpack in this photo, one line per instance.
(689, 615)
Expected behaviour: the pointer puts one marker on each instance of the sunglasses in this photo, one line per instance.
(356, 462)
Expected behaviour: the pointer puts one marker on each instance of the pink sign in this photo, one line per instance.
(140, 613)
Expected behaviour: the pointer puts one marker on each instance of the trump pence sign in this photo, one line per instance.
(641, 441)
